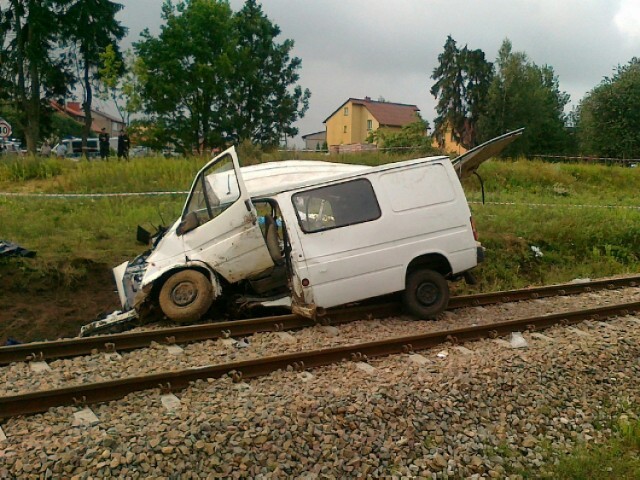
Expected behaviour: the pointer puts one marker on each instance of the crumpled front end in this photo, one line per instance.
(128, 276)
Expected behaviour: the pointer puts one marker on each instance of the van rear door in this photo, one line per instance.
(467, 163)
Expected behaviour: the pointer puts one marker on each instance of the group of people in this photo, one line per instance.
(61, 148)
(123, 144)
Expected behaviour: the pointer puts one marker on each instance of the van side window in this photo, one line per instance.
(336, 206)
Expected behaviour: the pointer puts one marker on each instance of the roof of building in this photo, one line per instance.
(321, 135)
(75, 111)
(388, 114)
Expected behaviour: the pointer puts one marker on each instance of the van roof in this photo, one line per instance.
(276, 177)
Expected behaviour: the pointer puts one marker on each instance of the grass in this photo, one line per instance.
(617, 459)
(574, 241)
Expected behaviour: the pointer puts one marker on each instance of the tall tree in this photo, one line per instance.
(120, 82)
(214, 77)
(266, 107)
(523, 94)
(90, 27)
(609, 115)
(462, 80)
(31, 70)
(188, 74)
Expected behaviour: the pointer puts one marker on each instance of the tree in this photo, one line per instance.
(265, 71)
(523, 94)
(91, 27)
(462, 80)
(121, 82)
(411, 138)
(30, 70)
(609, 115)
(214, 77)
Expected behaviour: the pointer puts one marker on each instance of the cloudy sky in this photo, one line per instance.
(384, 48)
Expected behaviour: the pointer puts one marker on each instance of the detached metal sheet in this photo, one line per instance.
(469, 162)
(8, 249)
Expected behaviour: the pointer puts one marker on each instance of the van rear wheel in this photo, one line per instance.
(426, 294)
(186, 296)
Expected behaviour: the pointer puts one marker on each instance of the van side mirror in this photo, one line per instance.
(189, 223)
(143, 236)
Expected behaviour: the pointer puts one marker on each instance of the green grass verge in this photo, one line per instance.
(617, 459)
(574, 241)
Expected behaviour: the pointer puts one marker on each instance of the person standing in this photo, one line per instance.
(45, 151)
(123, 144)
(61, 150)
(103, 139)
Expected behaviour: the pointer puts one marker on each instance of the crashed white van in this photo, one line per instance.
(312, 235)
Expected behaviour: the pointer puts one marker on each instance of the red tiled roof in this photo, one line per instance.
(75, 111)
(387, 114)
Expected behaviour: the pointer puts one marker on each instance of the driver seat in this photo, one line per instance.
(272, 240)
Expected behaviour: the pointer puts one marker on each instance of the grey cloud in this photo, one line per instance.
(377, 47)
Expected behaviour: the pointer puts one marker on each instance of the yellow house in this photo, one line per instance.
(356, 118)
(448, 144)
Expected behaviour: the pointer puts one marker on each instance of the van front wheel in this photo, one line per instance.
(426, 294)
(186, 296)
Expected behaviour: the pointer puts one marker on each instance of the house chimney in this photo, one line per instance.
(367, 99)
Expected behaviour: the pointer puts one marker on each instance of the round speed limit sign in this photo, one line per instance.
(5, 129)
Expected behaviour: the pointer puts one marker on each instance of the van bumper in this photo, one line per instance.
(480, 254)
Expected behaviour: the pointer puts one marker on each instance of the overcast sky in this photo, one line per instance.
(384, 48)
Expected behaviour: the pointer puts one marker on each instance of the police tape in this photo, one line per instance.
(87, 195)
(572, 205)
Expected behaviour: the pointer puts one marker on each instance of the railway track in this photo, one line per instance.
(41, 351)
(86, 394)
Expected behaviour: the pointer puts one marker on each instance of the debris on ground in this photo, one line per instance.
(8, 249)
(114, 322)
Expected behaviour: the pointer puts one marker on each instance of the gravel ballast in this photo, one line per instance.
(20, 378)
(490, 413)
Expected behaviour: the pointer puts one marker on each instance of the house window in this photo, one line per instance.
(344, 129)
(336, 206)
(369, 125)
(346, 111)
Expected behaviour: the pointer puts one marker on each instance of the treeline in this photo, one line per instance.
(215, 76)
(212, 76)
(478, 100)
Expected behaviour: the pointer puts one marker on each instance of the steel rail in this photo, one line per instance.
(86, 394)
(542, 292)
(71, 347)
(120, 342)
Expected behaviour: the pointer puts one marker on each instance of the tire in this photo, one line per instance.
(426, 294)
(186, 296)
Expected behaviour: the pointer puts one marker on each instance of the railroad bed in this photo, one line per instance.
(486, 409)
(36, 386)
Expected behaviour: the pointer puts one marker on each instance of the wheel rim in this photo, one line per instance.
(427, 293)
(184, 293)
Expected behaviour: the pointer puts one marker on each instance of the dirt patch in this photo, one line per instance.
(39, 303)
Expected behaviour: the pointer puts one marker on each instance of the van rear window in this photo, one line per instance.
(336, 206)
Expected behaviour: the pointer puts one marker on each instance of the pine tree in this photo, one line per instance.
(462, 80)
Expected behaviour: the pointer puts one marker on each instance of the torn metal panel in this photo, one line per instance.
(8, 249)
(469, 162)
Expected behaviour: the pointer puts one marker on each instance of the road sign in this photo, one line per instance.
(5, 129)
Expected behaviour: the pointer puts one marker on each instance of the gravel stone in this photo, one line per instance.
(485, 415)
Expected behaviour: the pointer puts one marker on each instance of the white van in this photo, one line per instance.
(312, 235)
(74, 147)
